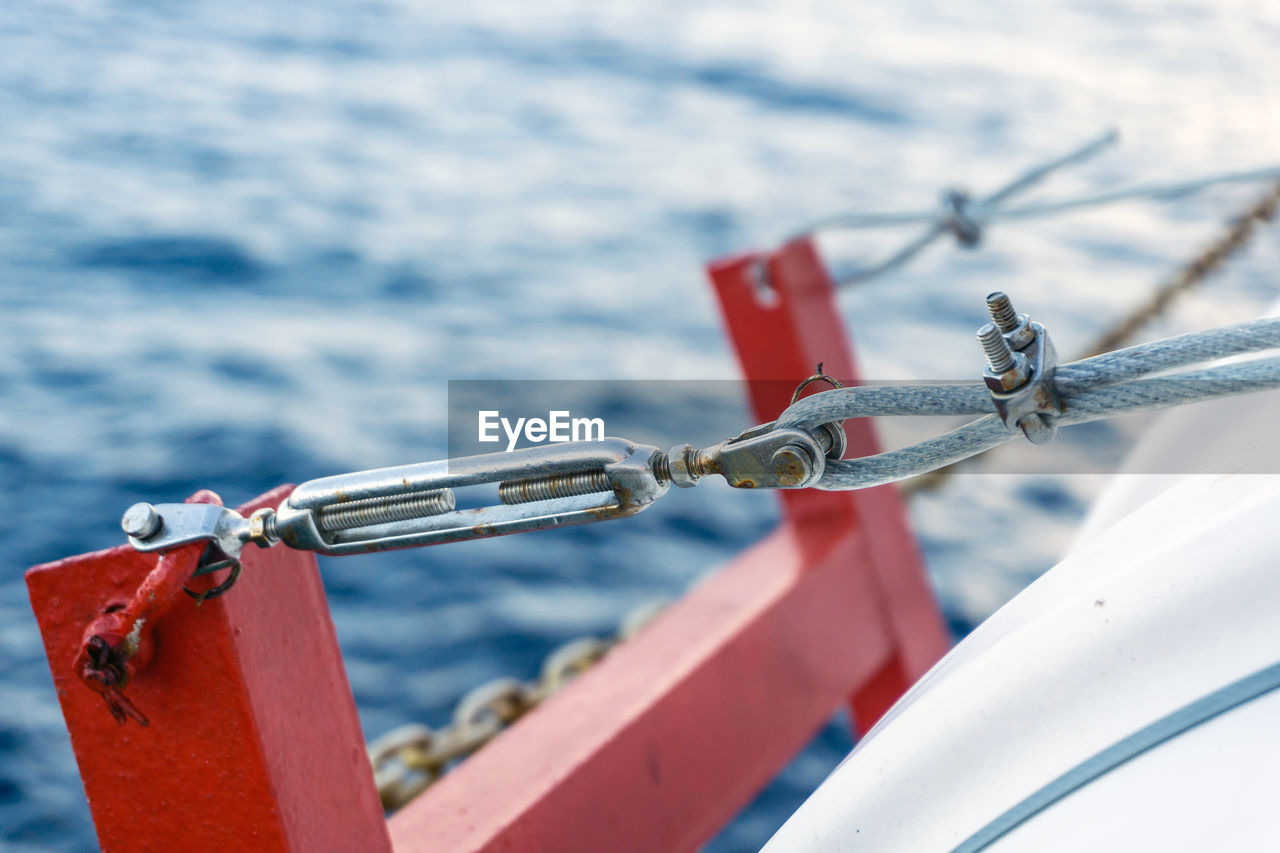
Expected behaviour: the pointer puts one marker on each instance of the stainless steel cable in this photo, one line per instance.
(1022, 183)
(1232, 240)
(1141, 191)
(1169, 353)
(966, 218)
(967, 398)
(957, 213)
(1102, 400)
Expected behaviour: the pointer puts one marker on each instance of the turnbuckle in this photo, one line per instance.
(537, 487)
(412, 505)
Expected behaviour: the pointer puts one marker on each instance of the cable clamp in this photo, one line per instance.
(956, 218)
(1021, 361)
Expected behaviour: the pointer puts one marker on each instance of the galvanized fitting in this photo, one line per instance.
(182, 524)
(956, 218)
(539, 487)
(767, 458)
(1019, 374)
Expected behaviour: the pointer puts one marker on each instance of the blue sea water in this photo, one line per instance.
(247, 244)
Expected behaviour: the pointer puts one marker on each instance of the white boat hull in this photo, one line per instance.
(1127, 700)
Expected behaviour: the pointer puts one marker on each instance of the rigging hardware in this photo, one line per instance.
(538, 487)
(413, 505)
(577, 482)
(1234, 238)
(1020, 364)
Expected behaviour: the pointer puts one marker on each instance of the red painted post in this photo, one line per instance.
(253, 742)
(781, 313)
(670, 735)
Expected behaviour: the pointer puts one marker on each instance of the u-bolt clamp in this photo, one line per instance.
(1020, 364)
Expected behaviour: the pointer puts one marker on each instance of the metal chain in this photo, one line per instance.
(1207, 261)
(1237, 235)
(409, 759)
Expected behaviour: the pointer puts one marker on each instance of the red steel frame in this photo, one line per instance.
(254, 740)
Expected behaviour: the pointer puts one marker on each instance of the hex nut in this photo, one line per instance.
(262, 527)
(679, 460)
(1009, 379)
(1021, 336)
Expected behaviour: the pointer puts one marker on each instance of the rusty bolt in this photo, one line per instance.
(1015, 327)
(1006, 369)
(791, 465)
(141, 521)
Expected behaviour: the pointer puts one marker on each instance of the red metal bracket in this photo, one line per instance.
(253, 740)
(780, 310)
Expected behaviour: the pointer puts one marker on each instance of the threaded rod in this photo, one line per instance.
(362, 513)
(700, 463)
(996, 348)
(1002, 313)
(553, 486)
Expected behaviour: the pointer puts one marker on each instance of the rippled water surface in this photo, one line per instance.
(246, 244)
